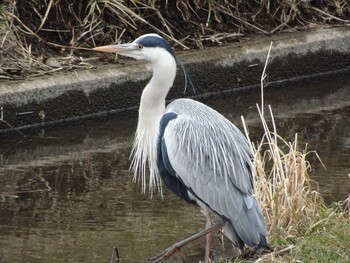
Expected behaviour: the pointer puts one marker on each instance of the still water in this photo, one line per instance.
(66, 194)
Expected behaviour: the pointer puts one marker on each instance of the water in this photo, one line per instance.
(67, 195)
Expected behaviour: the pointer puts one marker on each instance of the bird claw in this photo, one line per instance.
(165, 254)
(177, 246)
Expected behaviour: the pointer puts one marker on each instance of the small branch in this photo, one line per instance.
(263, 76)
(31, 32)
(275, 253)
(45, 16)
(115, 255)
(329, 15)
(8, 124)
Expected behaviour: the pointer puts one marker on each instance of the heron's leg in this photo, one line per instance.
(177, 246)
(208, 237)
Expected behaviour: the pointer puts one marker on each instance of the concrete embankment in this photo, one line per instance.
(67, 96)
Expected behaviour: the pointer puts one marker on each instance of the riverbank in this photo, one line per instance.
(325, 240)
(114, 86)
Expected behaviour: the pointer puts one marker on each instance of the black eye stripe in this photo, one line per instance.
(153, 41)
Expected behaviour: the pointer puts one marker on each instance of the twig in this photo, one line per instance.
(45, 16)
(329, 15)
(8, 124)
(245, 22)
(274, 253)
(115, 255)
(31, 32)
(278, 27)
(263, 76)
(220, 36)
(159, 31)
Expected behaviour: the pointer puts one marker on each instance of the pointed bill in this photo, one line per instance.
(120, 49)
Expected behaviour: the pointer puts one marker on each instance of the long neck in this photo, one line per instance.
(152, 104)
(152, 107)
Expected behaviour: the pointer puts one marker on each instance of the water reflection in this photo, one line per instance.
(90, 206)
(67, 194)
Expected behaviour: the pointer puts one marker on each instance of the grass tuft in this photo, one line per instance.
(300, 225)
(289, 198)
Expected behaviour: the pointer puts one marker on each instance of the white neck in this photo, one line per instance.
(152, 107)
(152, 103)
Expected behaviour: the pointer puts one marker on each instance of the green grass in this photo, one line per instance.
(328, 242)
(327, 239)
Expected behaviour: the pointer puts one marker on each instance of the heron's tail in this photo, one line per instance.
(248, 227)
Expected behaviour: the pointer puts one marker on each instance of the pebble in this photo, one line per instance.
(52, 62)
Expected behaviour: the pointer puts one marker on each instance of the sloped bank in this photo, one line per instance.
(109, 88)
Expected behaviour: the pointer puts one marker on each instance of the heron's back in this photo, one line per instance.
(212, 159)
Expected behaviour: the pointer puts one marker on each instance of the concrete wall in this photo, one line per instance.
(67, 96)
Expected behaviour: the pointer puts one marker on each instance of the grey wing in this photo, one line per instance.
(212, 158)
(212, 143)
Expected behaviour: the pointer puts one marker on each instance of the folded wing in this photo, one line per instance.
(208, 156)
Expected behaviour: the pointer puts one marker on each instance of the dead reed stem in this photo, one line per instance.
(289, 199)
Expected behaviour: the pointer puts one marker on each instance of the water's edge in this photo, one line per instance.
(70, 96)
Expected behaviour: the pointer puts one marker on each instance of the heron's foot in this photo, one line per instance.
(165, 254)
(177, 246)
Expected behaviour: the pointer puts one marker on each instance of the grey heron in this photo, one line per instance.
(195, 151)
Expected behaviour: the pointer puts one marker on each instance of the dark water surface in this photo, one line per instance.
(66, 194)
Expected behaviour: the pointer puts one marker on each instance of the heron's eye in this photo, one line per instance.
(140, 47)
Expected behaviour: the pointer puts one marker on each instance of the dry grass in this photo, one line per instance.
(288, 197)
(346, 206)
(36, 30)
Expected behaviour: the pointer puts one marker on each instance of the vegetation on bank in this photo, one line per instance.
(33, 32)
(325, 240)
(302, 228)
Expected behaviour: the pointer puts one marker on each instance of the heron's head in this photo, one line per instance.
(150, 47)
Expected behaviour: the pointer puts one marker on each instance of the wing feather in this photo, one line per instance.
(211, 143)
(212, 158)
